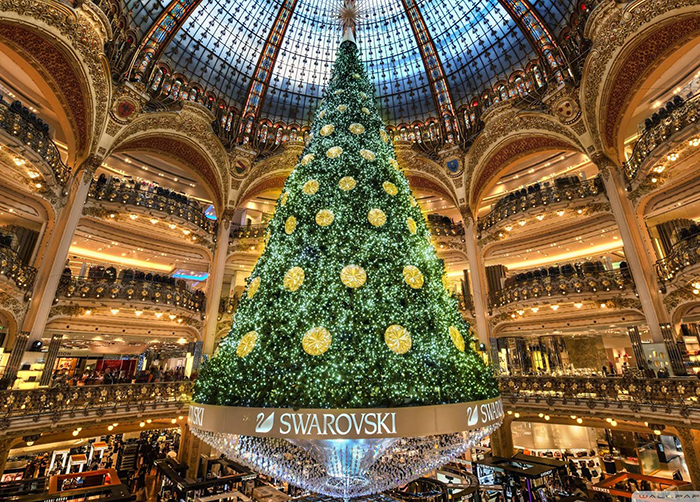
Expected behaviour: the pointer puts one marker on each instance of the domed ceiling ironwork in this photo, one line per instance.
(273, 57)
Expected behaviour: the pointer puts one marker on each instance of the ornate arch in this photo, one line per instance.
(185, 137)
(504, 125)
(629, 44)
(510, 136)
(64, 48)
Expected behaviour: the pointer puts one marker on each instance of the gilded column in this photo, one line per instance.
(57, 245)
(215, 283)
(478, 281)
(639, 259)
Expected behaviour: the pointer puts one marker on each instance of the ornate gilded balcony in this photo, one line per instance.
(683, 255)
(629, 393)
(24, 409)
(684, 116)
(22, 128)
(11, 266)
(561, 285)
(128, 194)
(143, 291)
(514, 206)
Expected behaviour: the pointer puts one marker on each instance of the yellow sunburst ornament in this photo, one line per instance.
(347, 183)
(353, 276)
(376, 217)
(365, 110)
(324, 217)
(290, 225)
(395, 164)
(310, 187)
(390, 188)
(339, 92)
(413, 276)
(457, 338)
(294, 278)
(253, 287)
(342, 108)
(307, 159)
(356, 128)
(334, 152)
(411, 224)
(327, 130)
(321, 114)
(398, 339)
(384, 136)
(246, 344)
(368, 155)
(284, 198)
(316, 341)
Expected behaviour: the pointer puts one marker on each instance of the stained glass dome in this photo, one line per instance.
(407, 45)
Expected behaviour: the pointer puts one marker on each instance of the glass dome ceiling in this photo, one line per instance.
(220, 43)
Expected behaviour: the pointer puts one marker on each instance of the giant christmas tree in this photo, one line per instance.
(347, 306)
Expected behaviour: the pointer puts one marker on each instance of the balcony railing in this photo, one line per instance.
(258, 231)
(248, 231)
(22, 128)
(133, 290)
(129, 195)
(562, 284)
(512, 204)
(228, 305)
(11, 266)
(634, 392)
(683, 255)
(679, 119)
(63, 403)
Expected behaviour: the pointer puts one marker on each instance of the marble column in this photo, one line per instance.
(638, 253)
(502, 440)
(5, 446)
(13, 363)
(50, 361)
(58, 242)
(477, 274)
(215, 284)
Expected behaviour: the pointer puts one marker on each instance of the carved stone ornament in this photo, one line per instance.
(186, 135)
(610, 27)
(85, 33)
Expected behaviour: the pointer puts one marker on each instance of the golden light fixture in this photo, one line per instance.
(114, 311)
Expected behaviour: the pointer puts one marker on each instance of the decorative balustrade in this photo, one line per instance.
(11, 266)
(248, 231)
(511, 204)
(130, 195)
(684, 254)
(38, 141)
(686, 115)
(633, 392)
(446, 229)
(134, 290)
(228, 305)
(258, 231)
(562, 285)
(62, 403)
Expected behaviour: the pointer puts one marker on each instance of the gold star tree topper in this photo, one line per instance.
(348, 14)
